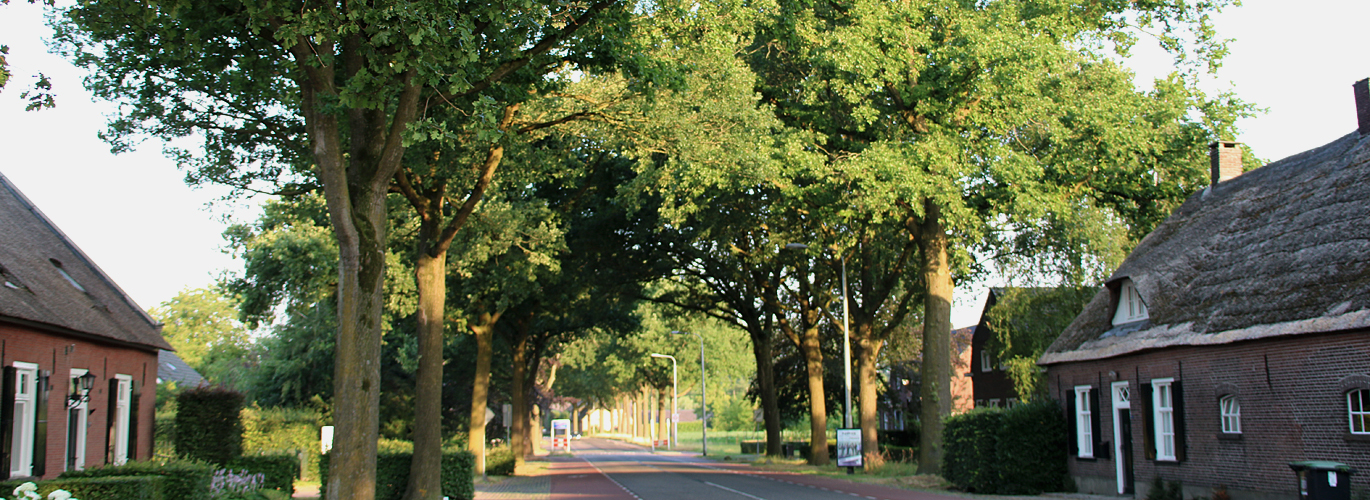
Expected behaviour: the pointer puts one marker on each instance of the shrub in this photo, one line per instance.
(228, 483)
(278, 471)
(1021, 450)
(392, 474)
(182, 479)
(279, 431)
(208, 425)
(499, 461)
(96, 488)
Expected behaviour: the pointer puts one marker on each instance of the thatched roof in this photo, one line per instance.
(35, 293)
(1281, 250)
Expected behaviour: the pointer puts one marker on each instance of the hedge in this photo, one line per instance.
(280, 470)
(277, 431)
(208, 426)
(1018, 451)
(96, 488)
(183, 479)
(499, 461)
(392, 475)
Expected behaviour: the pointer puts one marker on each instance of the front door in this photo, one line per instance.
(1122, 436)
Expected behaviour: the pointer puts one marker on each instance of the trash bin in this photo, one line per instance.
(1323, 480)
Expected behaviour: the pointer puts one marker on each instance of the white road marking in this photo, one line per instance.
(734, 491)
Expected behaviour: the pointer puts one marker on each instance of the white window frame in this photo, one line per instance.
(1358, 411)
(121, 418)
(1084, 423)
(25, 416)
(1163, 415)
(82, 422)
(1122, 402)
(985, 360)
(993, 402)
(1131, 307)
(1231, 410)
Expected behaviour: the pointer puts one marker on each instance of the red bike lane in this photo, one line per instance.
(575, 478)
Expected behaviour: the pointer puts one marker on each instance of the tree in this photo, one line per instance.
(961, 118)
(202, 324)
(327, 94)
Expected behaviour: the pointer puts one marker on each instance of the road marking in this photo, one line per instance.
(734, 491)
(611, 479)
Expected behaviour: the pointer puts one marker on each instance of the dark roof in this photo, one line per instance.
(34, 290)
(171, 368)
(1281, 250)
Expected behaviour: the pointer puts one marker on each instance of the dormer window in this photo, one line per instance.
(57, 264)
(1131, 307)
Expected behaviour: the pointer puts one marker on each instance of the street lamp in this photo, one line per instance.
(703, 389)
(846, 335)
(675, 415)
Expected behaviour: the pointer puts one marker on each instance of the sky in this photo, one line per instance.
(136, 218)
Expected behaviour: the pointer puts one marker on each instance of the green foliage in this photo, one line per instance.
(1017, 451)
(499, 461)
(1025, 321)
(181, 479)
(1164, 490)
(280, 471)
(208, 424)
(202, 324)
(284, 431)
(94, 488)
(392, 474)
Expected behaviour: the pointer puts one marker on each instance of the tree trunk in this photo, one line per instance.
(520, 443)
(818, 409)
(765, 382)
(484, 331)
(936, 366)
(867, 351)
(425, 477)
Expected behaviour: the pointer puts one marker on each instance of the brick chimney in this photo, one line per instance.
(1224, 160)
(1362, 89)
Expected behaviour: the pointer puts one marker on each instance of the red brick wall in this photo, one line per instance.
(1293, 407)
(58, 355)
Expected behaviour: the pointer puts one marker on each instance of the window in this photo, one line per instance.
(984, 360)
(57, 264)
(1084, 423)
(994, 402)
(1231, 412)
(1163, 404)
(77, 418)
(25, 416)
(1358, 411)
(1131, 307)
(123, 394)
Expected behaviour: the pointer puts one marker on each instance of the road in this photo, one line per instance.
(604, 469)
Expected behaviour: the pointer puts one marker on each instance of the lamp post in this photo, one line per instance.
(846, 336)
(675, 415)
(703, 396)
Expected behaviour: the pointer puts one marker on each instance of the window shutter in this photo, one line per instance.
(40, 428)
(1074, 418)
(1178, 395)
(110, 414)
(1149, 422)
(7, 419)
(132, 445)
(1100, 451)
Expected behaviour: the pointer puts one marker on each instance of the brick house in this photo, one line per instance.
(79, 356)
(898, 397)
(1236, 336)
(992, 387)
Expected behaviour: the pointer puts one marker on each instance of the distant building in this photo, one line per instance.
(172, 369)
(64, 327)
(1236, 336)
(992, 387)
(897, 402)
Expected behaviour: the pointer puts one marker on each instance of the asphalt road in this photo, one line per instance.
(604, 469)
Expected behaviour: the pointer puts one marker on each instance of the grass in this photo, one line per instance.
(893, 474)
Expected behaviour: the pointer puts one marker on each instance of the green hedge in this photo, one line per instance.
(208, 425)
(1018, 451)
(182, 479)
(392, 475)
(279, 431)
(499, 461)
(280, 470)
(96, 488)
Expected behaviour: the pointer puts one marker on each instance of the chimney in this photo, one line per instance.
(1224, 160)
(1362, 90)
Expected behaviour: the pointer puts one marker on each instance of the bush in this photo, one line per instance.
(280, 431)
(182, 479)
(392, 474)
(208, 425)
(96, 488)
(1018, 451)
(279, 470)
(499, 461)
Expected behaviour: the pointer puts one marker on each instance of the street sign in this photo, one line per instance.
(325, 438)
(489, 414)
(849, 447)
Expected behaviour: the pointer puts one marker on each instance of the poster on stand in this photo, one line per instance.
(849, 447)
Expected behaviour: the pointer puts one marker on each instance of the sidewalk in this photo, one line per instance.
(531, 482)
